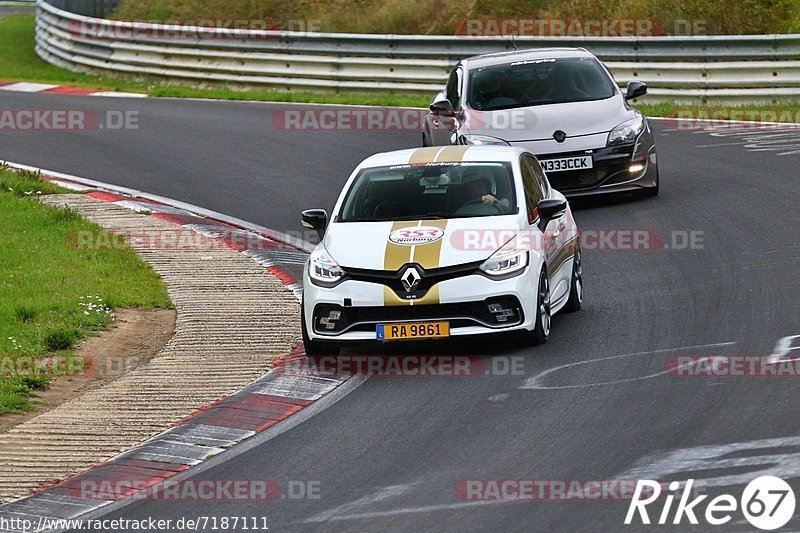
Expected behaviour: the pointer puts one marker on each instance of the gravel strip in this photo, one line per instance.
(233, 319)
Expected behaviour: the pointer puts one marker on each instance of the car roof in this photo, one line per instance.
(503, 58)
(444, 154)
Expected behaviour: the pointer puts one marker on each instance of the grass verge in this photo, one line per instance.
(52, 294)
(444, 16)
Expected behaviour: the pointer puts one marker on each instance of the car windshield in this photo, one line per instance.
(430, 191)
(538, 82)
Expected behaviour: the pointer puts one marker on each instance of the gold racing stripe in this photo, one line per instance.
(390, 298)
(430, 256)
(438, 154)
(426, 255)
(395, 256)
(424, 155)
(452, 154)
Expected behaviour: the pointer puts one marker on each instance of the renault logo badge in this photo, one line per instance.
(411, 278)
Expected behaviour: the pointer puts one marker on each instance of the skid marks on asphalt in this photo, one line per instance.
(538, 382)
(722, 465)
(383, 502)
(777, 139)
(717, 467)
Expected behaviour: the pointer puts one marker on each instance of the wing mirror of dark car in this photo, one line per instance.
(316, 219)
(550, 209)
(635, 90)
(442, 107)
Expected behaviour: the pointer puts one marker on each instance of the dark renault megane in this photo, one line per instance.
(563, 105)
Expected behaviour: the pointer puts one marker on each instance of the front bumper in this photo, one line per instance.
(611, 171)
(357, 307)
(611, 165)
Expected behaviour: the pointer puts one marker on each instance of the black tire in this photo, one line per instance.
(541, 332)
(576, 284)
(315, 348)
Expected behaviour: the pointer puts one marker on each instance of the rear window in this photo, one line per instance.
(430, 191)
(538, 82)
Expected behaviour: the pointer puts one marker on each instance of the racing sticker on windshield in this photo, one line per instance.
(532, 62)
(415, 236)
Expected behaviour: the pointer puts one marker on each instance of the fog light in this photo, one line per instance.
(636, 168)
(500, 313)
(330, 321)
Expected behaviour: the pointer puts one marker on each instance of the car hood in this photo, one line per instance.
(430, 243)
(541, 122)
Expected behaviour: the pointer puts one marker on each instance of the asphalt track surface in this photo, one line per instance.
(388, 454)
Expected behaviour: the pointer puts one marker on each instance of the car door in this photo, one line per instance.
(443, 128)
(554, 238)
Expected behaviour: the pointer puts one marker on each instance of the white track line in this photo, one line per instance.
(26, 87)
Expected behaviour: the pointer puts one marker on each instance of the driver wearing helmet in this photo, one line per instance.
(479, 188)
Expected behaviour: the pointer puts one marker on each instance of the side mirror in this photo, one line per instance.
(635, 90)
(442, 107)
(549, 210)
(316, 219)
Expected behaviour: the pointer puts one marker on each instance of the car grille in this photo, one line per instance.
(430, 277)
(579, 179)
(607, 165)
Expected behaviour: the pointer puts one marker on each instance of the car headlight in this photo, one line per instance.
(481, 139)
(627, 132)
(508, 261)
(323, 269)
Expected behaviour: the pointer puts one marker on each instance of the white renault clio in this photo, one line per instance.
(440, 242)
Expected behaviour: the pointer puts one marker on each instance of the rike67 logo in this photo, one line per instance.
(767, 503)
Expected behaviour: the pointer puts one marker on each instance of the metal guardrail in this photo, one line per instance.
(730, 69)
